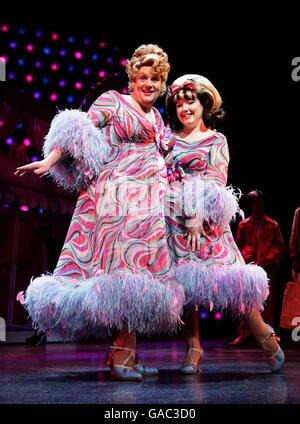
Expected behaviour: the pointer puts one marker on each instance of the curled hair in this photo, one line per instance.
(211, 115)
(148, 55)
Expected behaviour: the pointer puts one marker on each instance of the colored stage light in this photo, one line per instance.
(47, 50)
(218, 316)
(101, 74)
(6, 206)
(70, 99)
(9, 141)
(24, 208)
(78, 55)
(86, 71)
(53, 97)
(78, 85)
(11, 75)
(203, 315)
(29, 78)
(26, 142)
(70, 39)
(20, 126)
(29, 47)
(34, 158)
(38, 33)
(62, 52)
(21, 31)
(54, 36)
(162, 109)
(38, 64)
(12, 44)
(4, 28)
(45, 80)
(40, 210)
(123, 62)
(102, 45)
(109, 59)
(21, 61)
(94, 56)
(71, 68)
(3, 59)
(54, 66)
(86, 41)
(37, 95)
(1, 122)
(62, 83)
(125, 90)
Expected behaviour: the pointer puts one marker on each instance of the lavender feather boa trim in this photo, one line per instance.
(209, 201)
(68, 308)
(72, 131)
(239, 288)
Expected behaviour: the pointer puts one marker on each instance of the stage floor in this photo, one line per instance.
(67, 373)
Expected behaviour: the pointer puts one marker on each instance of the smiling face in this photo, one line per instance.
(147, 87)
(189, 112)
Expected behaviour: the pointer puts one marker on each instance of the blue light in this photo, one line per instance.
(70, 39)
(86, 41)
(63, 52)
(38, 33)
(45, 80)
(94, 56)
(40, 210)
(20, 125)
(21, 62)
(109, 59)
(71, 68)
(21, 31)
(70, 99)
(162, 109)
(47, 50)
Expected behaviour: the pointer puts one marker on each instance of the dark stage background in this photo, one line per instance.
(250, 64)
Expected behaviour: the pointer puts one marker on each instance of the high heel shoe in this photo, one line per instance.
(122, 372)
(194, 367)
(276, 361)
(143, 369)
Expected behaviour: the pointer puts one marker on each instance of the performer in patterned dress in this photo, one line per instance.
(114, 270)
(200, 208)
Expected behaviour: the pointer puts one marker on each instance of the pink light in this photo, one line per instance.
(24, 208)
(218, 315)
(4, 28)
(78, 85)
(102, 45)
(102, 74)
(29, 78)
(54, 36)
(78, 55)
(54, 66)
(123, 62)
(30, 47)
(125, 90)
(26, 142)
(53, 97)
(3, 59)
(1, 123)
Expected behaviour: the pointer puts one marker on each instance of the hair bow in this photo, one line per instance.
(187, 85)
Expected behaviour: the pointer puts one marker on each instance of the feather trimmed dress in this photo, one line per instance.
(215, 277)
(115, 268)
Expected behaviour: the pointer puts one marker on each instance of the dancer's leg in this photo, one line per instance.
(190, 332)
(260, 331)
(127, 340)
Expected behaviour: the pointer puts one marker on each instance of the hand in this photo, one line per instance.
(194, 233)
(39, 168)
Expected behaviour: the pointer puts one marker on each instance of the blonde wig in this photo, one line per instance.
(148, 55)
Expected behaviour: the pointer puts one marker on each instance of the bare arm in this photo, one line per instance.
(43, 166)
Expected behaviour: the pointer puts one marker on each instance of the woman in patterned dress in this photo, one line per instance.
(114, 270)
(200, 208)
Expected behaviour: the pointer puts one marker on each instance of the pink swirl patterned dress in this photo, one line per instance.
(115, 266)
(216, 276)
